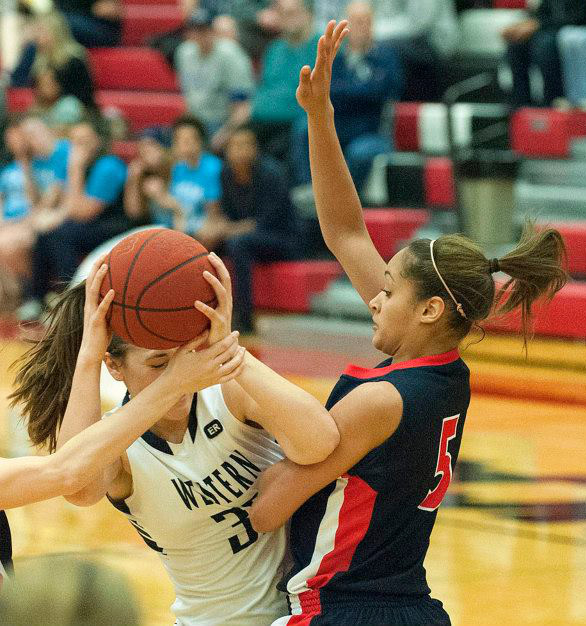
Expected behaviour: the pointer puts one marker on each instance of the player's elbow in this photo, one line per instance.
(321, 443)
(84, 497)
(264, 520)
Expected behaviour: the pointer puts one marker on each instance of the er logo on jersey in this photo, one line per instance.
(213, 429)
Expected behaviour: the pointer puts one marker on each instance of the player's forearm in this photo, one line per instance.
(84, 405)
(304, 428)
(91, 451)
(337, 202)
(28, 479)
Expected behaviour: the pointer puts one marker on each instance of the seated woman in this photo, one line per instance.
(53, 46)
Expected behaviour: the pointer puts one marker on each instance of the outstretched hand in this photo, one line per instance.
(313, 92)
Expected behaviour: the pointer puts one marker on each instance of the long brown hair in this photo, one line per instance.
(45, 371)
(535, 267)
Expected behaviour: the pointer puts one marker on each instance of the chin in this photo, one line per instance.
(177, 411)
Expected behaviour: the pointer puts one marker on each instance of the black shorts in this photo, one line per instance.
(421, 612)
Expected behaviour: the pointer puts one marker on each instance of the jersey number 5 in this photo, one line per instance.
(444, 466)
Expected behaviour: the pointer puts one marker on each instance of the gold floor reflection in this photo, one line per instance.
(509, 546)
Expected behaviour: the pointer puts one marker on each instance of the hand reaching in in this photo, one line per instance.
(313, 92)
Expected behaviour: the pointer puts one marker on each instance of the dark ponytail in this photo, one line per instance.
(535, 267)
(45, 371)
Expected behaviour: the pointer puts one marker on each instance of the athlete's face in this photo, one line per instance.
(394, 310)
(139, 368)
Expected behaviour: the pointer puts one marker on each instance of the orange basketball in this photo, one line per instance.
(157, 275)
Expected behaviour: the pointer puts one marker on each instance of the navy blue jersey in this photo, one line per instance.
(365, 536)
(5, 545)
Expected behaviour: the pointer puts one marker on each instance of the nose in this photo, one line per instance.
(373, 304)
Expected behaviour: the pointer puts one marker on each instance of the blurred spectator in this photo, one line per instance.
(274, 107)
(194, 190)
(57, 110)
(16, 196)
(260, 222)
(151, 169)
(259, 22)
(533, 42)
(216, 77)
(94, 23)
(572, 47)
(53, 48)
(425, 33)
(67, 591)
(366, 75)
(326, 10)
(90, 212)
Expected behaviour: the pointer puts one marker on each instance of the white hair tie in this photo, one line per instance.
(459, 307)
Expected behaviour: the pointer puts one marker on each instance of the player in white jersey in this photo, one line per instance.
(188, 482)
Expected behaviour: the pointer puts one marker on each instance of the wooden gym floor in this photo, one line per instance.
(509, 546)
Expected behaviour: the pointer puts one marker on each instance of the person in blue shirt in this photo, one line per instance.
(366, 75)
(91, 212)
(15, 202)
(194, 190)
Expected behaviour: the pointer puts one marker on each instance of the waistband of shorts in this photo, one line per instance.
(312, 601)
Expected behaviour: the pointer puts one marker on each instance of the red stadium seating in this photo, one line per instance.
(390, 227)
(172, 3)
(19, 99)
(126, 150)
(143, 109)
(574, 234)
(289, 286)
(406, 126)
(439, 186)
(546, 132)
(564, 317)
(140, 22)
(131, 68)
(509, 4)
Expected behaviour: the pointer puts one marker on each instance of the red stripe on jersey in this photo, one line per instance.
(437, 359)
(353, 523)
(300, 620)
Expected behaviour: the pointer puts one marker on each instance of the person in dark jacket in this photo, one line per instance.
(260, 220)
(366, 75)
(533, 42)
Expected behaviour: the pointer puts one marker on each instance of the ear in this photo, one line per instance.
(432, 310)
(113, 367)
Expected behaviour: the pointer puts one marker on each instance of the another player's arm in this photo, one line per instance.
(338, 205)
(366, 418)
(302, 426)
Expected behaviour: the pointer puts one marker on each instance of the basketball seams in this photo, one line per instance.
(127, 279)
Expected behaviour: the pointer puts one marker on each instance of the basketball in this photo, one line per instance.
(157, 275)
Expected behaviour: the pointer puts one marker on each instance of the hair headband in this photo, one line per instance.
(459, 307)
(494, 266)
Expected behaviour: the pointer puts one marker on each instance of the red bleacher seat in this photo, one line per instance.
(390, 227)
(19, 99)
(565, 316)
(546, 132)
(142, 21)
(143, 109)
(439, 185)
(126, 150)
(152, 2)
(289, 285)
(574, 234)
(406, 126)
(509, 4)
(131, 68)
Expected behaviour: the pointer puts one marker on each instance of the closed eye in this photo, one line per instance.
(387, 293)
(157, 367)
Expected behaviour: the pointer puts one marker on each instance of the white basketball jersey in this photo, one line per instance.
(190, 503)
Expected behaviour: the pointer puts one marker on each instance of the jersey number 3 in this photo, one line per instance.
(444, 466)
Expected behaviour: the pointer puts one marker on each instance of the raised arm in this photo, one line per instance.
(366, 417)
(302, 426)
(337, 202)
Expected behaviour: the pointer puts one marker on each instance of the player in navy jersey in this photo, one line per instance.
(362, 519)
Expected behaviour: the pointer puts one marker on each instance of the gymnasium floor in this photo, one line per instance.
(509, 546)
